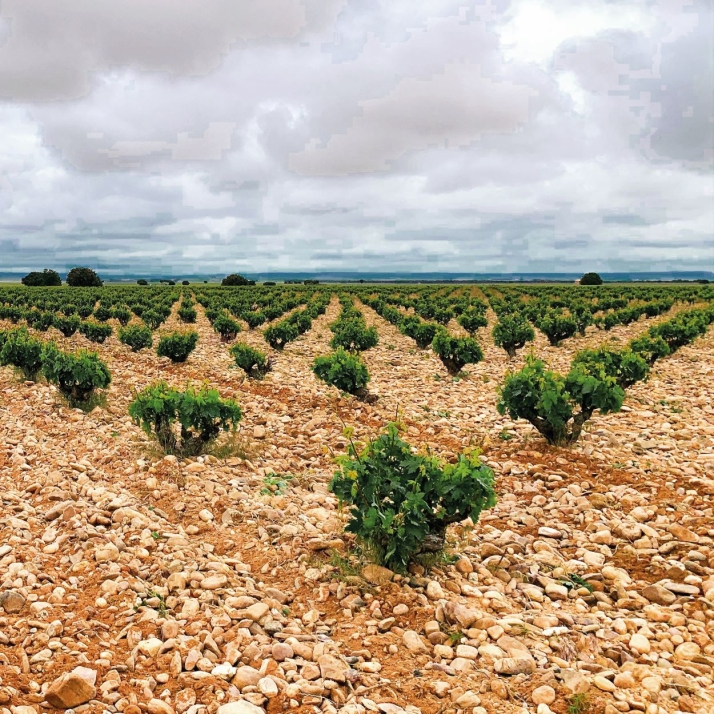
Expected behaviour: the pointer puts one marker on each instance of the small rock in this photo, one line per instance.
(376, 574)
(240, 707)
(332, 668)
(12, 601)
(543, 695)
(413, 642)
(659, 595)
(70, 690)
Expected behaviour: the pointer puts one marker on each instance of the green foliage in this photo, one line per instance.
(471, 319)
(41, 321)
(177, 346)
(187, 313)
(47, 278)
(22, 351)
(650, 348)
(421, 332)
(95, 331)
(254, 319)
(456, 352)
(226, 327)
(142, 281)
(278, 335)
(235, 279)
(557, 327)
(549, 401)
(152, 319)
(66, 325)
(402, 502)
(135, 336)
(183, 423)
(102, 313)
(354, 335)
(83, 278)
(511, 332)
(77, 375)
(253, 362)
(343, 370)
(626, 367)
(591, 279)
(122, 315)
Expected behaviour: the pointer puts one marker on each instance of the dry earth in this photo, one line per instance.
(196, 587)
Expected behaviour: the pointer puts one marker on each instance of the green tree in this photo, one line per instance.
(47, 278)
(591, 279)
(83, 278)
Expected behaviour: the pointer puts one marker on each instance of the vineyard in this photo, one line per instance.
(434, 498)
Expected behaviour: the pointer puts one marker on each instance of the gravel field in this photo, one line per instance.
(135, 583)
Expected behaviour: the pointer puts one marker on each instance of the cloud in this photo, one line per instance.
(431, 134)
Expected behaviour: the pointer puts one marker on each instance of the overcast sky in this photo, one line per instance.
(202, 136)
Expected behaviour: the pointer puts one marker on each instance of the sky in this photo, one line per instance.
(216, 136)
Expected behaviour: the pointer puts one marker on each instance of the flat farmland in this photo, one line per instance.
(185, 583)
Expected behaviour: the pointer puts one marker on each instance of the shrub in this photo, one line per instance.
(471, 320)
(253, 362)
(187, 313)
(95, 331)
(354, 335)
(548, 400)
(226, 327)
(277, 336)
(47, 278)
(343, 370)
(66, 325)
(591, 279)
(135, 336)
(301, 320)
(421, 332)
(557, 327)
(83, 278)
(41, 321)
(183, 423)
(511, 332)
(185, 282)
(402, 502)
(442, 315)
(235, 279)
(141, 281)
(177, 346)
(22, 351)
(625, 367)
(77, 375)
(455, 352)
(102, 313)
(254, 319)
(650, 348)
(122, 315)
(152, 319)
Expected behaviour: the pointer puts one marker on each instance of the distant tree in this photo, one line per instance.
(591, 279)
(205, 281)
(235, 279)
(172, 282)
(311, 282)
(83, 278)
(45, 278)
(141, 281)
(268, 282)
(184, 282)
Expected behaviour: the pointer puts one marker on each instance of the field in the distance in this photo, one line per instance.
(185, 585)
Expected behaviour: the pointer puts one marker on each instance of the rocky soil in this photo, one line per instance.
(134, 583)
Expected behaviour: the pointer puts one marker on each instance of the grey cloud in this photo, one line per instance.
(51, 50)
(357, 135)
